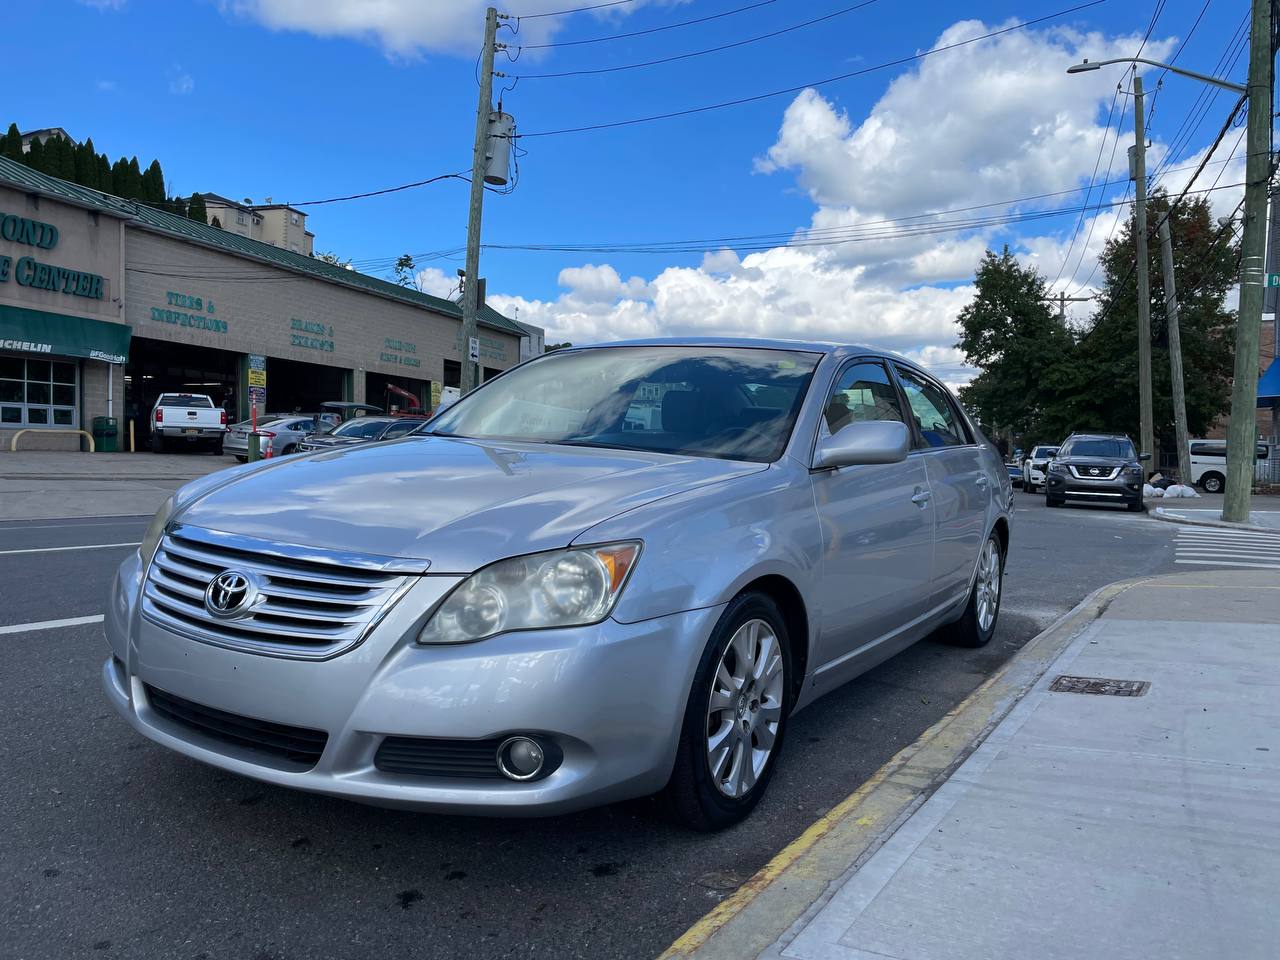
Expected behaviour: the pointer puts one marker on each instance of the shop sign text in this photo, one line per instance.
(30, 272)
(311, 334)
(184, 318)
(399, 352)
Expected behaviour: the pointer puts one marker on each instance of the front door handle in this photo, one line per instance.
(921, 497)
(982, 480)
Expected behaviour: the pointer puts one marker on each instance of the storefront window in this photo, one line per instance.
(37, 393)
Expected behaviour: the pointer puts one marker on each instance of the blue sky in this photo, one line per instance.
(306, 99)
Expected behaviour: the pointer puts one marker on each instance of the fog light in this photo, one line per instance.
(520, 758)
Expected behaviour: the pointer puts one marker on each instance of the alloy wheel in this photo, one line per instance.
(988, 585)
(745, 708)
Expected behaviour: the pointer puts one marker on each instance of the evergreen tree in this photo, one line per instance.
(82, 156)
(34, 157)
(152, 190)
(134, 175)
(1011, 332)
(66, 159)
(177, 206)
(11, 144)
(216, 223)
(104, 174)
(196, 209)
(120, 178)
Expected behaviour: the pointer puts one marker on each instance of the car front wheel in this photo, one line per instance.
(735, 718)
(977, 624)
(1213, 482)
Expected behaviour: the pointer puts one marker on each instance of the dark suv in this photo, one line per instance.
(1096, 468)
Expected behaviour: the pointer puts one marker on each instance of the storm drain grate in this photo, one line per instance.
(1099, 686)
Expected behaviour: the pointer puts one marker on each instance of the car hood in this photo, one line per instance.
(458, 504)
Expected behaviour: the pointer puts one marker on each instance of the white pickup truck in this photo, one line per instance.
(189, 419)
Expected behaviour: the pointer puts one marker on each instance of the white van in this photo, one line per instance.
(1209, 463)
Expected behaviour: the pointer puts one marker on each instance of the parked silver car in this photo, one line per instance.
(610, 571)
(280, 436)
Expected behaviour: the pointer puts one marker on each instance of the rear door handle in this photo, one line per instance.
(921, 497)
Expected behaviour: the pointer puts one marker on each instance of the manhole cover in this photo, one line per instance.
(1099, 686)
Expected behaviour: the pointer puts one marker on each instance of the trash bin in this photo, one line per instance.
(106, 434)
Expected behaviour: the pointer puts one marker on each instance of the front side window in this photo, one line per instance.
(360, 428)
(861, 392)
(733, 403)
(934, 413)
(401, 428)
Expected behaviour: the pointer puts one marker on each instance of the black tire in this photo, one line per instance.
(217, 448)
(1137, 507)
(157, 443)
(1029, 487)
(242, 459)
(691, 796)
(967, 631)
(1213, 482)
(1053, 501)
(291, 448)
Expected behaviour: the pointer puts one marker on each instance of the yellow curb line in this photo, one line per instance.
(713, 922)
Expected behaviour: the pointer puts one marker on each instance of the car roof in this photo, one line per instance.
(1098, 436)
(808, 346)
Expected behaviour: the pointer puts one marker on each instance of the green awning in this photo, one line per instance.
(52, 334)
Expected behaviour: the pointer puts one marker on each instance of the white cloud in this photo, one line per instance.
(436, 282)
(181, 83)
(407, 28)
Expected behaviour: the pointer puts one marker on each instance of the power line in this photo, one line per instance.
(565, 13)
(641, 33)
(1093, 224)
(816, 83)
(697, 53)
(378, 193)
(1092, 177)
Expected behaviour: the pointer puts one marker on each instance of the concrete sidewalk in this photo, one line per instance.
(37, 485)
(1084, 824)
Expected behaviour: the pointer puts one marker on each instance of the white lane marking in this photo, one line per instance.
(1232, 563)
(1231, 554)
(85, 546)
(50, 624)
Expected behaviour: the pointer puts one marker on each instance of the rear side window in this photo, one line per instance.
(1209, 449)
(863, 391)
(934, 413)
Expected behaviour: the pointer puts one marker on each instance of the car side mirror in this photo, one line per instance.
(1145, 456)
(863, 442)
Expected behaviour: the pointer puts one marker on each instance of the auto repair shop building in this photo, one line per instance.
(106, 303)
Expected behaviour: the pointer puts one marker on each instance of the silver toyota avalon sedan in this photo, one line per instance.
(610, 572)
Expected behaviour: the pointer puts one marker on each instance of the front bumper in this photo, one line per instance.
(1121, 490)
(611, 697)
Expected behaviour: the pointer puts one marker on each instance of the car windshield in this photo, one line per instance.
(736, 403)
(1102, 447)
(186, 400)
(360, 427)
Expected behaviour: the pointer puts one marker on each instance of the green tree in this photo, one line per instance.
(134, 179)
(177, 206)
(336, 259)
(66, 159)
(1012, 333)
(11, 144)
(104, 174)
(215, 222)
(404, 270)
(1102, 384)
(196, 209)
(152, 184)
(34, 157)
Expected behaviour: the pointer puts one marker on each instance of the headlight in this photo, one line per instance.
(155, 530)
(561, 588)
(1059, 468)
(1133, 471)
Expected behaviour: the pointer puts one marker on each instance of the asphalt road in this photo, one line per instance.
(116, 848)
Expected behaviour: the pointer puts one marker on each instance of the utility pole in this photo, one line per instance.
(479, 158)
(1147, 431)
(1062, 300)
(1175, 352)
(1242, 430)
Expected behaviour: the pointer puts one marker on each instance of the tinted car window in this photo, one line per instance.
(1102, 447)
(935, 416)
(401, 428)
(861, 392)
(199, 403)
(728, 402)
(361, 428)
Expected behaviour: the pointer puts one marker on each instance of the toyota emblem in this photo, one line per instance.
(229, 593)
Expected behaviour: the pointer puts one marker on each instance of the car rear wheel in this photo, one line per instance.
(291, 448)
(977, 624)
(1213, 482)
(1053, 501)
(157, 443)
(735, 718)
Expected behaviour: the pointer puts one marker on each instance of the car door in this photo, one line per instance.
(877, 533)
(959, 484)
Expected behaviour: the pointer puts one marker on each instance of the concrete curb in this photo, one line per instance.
(1159, 514)
(802, 877)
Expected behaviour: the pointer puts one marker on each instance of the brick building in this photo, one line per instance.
(105, 303)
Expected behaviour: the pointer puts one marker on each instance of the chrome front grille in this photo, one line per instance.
(306, 604)
(1104, 472)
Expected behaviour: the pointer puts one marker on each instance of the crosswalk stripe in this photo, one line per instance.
(1233, 563)
(1208, 547)
(1237, 556)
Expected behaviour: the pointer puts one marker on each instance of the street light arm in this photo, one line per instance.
(1094, 65)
